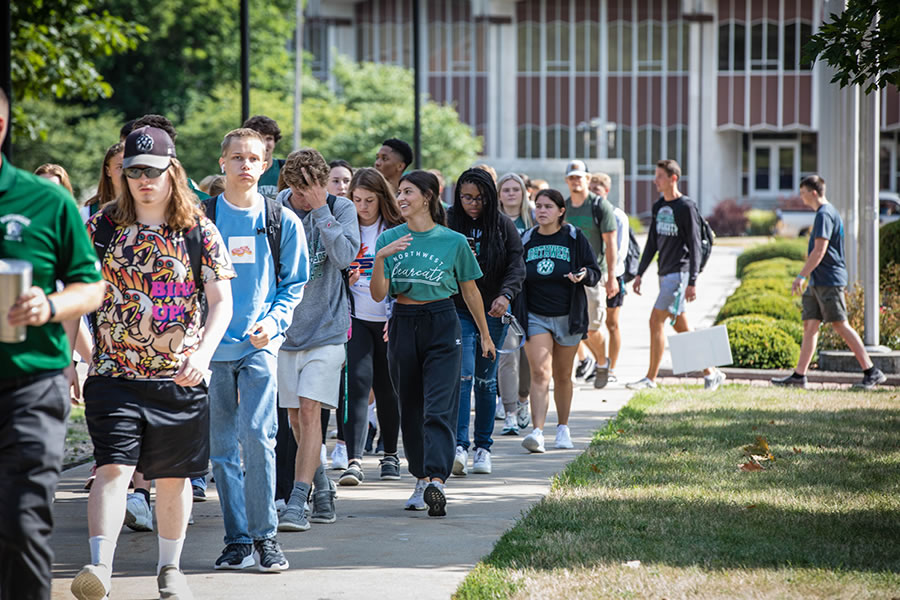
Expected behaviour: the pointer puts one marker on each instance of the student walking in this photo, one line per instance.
(41, 227)
(498, 247)
(310, 359)
(271, 134)
(367, 363)
(268, 247)
(109, 187)
(145, 398)
(675, 234)
(559, 263)
(823, 300)
(392, 159)
(422, 264)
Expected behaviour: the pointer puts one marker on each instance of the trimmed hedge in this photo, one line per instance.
(792, 328)
(771, 305)
(889, 244)
(761, 222)
(773, 267)
(761, 346)
(792, 249)
(773, 285)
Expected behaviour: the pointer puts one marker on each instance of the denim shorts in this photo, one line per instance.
(671, 293)
(558, 327)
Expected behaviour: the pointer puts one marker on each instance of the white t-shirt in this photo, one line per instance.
(622, 235)
(363, 306)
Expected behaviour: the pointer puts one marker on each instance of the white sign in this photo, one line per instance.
(697, 350)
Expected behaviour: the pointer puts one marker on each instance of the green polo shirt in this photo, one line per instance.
(39, 223)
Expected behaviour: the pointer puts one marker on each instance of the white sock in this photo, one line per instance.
(537, 430)
(372, 419)
(102, 550)
(169, 553)
(562, 427)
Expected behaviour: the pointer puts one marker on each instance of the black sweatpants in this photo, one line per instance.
(368, 369)
(424, 353)
(33, 413)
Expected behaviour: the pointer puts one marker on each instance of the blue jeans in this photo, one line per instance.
(248, 501)
(484, 372)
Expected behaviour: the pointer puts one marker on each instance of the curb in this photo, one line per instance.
(767, 374)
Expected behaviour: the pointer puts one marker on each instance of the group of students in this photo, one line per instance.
(302, 287)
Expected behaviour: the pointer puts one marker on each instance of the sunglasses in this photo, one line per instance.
(150, 172)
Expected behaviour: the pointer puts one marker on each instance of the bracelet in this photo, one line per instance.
(801, 277)
(52, 308)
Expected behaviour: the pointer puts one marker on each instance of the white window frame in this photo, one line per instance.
(891, 147)
(774, 146)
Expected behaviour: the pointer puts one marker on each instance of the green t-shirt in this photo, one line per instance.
(582, 218)
(431, 266)
(39, 223)
(201, 195)
(268, 183)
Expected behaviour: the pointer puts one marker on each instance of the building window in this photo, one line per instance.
(649, 149)
(619, 46)
(732, 54)
(774, 167)
(650, 46)
(796, 35)
(764, 46)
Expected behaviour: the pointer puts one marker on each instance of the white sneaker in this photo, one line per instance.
(339, 460)
(138, 515)
(641, 384)
(92, 582)
(417, 500)
(534, 441)
(510, 427)
(323, 456)
(500, 413)
(713, 381)
(523, 419)
(563, 439)
(481, 464)
(460, 462)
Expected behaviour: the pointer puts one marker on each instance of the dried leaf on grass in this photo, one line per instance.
(797, 451)
(751, 466)
(759, 451)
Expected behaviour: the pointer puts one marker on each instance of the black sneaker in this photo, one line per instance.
(871, 380)
(584, 367)
(791, 380)
(353, 475)
(390, 467)
(435, 499)
(271, 559)
(235, 557)
(199, 493)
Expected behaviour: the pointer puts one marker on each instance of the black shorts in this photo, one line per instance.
(617, 300)
(161, 427)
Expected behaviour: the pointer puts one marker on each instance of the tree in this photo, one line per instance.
(54, 45)
(862, 51)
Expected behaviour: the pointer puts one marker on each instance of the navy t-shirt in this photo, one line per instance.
(832, 271)
(547, 261)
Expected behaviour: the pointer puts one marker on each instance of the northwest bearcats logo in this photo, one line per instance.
(545, 267)
(144, 143)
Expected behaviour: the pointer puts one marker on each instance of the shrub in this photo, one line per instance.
(889, 245)
(889, 318)
(729, 218)
(773, 285)
(792, 328)
(761, 222)
(780, 268)
(792, 249)
(759, 345)
(771, 305)
(635, 223)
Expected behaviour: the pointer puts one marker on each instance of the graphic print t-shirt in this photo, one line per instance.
(547, 261)
(431, 265)
(363, 306)
(149, 321)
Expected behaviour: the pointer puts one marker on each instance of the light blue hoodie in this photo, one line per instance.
(256, 292)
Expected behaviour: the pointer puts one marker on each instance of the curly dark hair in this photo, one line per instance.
(158, 121)
(312, 161)
(263, 125)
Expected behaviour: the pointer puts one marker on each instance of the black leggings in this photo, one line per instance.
(368, 370)
(425, 354)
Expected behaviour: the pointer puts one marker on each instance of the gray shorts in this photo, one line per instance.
(824, 303)
(671, 293)
(313, 374)
(558, 327)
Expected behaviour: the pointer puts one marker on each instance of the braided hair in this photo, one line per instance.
(492, 258)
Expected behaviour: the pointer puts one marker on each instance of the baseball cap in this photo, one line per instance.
(576, 167)
(148, 147)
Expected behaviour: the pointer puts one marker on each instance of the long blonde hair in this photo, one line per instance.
(58, 171)
(181, 213)
(105, 189)
(525, 207)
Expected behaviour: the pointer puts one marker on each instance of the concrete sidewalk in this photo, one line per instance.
(376, 549)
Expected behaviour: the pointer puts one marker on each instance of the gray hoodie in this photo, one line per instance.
(323, 316)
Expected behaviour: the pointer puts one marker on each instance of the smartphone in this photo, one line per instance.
(471, 241)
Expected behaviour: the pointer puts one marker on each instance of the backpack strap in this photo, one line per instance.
(103, 236)
(193, 239)
(273, 233)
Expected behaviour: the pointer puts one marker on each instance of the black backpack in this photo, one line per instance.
(707, 238)
(633, 258)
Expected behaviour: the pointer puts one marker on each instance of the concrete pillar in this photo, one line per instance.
(501, 52)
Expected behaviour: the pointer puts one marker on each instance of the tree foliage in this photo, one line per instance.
(54, 49)
(862, 51)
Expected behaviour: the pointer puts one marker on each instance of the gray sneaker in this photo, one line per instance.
(173, 584)
(293, 518)
(323, 505)
(713, 381)
(417, 500)
(390, 467)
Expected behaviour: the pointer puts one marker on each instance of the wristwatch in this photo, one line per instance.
(52, 308)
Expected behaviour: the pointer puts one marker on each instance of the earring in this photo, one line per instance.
(223, 168)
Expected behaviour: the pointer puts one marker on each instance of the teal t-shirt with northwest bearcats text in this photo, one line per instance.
(431, 265)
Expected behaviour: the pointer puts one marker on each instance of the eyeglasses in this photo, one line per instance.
(150, 172)
(471, 200)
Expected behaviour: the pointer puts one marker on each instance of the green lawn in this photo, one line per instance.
(663, 485)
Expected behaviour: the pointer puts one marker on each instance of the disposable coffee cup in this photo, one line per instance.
(15, 279)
